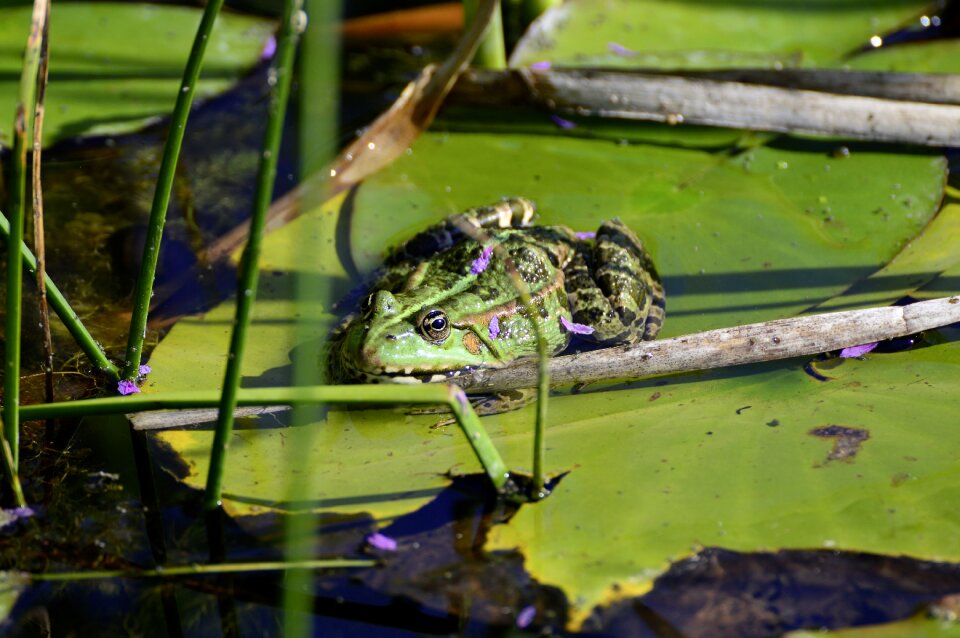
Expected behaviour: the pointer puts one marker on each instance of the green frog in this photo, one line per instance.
(445, 302)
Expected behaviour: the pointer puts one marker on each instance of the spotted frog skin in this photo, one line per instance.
(445, 302)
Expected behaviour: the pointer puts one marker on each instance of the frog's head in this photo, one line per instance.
(398, 335)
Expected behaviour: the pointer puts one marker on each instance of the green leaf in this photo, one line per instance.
(707, 35)
(936, 56)
(730, 459)
(115, 66)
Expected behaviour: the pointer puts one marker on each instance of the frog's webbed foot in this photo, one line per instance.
(484, 404)
(614, 288)
(515, 212)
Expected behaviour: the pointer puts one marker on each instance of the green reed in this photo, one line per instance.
(161, 196)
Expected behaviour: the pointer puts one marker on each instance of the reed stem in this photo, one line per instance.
(201, 569)
(491, 54)
(161, 196)
(281, 74)
(16, 200)
(38, 234)
(479, 440)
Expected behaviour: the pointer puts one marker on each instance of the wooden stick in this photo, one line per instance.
(699, 100)
(752, 343)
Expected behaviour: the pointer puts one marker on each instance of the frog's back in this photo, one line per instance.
(467, 282)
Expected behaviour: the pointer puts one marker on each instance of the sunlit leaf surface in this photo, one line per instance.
(113, 66)
(703, 35)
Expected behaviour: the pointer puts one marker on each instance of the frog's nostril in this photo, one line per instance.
(384, 303)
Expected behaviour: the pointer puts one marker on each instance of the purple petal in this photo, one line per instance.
(480, 263)
(619, 49)
(580, 235)
(494, 327)
(126, 387)
(540, 66)
(562, 123)
(857, 351)
(11, 516)
(145, 370)
(269, 48)
(526, 616)
(575, 328)
(382, 541)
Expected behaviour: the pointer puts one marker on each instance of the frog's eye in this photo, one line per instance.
(434, 326)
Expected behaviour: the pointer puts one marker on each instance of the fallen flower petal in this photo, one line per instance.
(494, 327)
(382, 541)
(145, 370)
(581, 235)
(540, 66)
(562, 123)
(269, 48)
(575, 328)
(10, 516)
(126, 387)
(526, 616)
(857, 351)
(619, 49)
(480, 263)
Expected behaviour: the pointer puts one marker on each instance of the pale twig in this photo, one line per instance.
(752, 343)
(39, 245)
(698, 100)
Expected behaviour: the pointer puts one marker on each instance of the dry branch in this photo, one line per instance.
(700, 100)
(751, 343)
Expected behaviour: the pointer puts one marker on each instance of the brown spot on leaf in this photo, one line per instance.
(654, 396)
(900, 478)
(846, 441)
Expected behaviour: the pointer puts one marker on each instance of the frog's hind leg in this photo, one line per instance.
(515, 212)
(614, 288)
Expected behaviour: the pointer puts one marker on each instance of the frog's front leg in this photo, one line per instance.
(515, 212)
(484, 404)
(613, 287)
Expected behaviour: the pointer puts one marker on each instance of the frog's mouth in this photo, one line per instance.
(350, 371)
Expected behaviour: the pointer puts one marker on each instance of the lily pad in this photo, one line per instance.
(937, 56)
(706, 35)
(928, 267)
(761, 458)
(113, 66)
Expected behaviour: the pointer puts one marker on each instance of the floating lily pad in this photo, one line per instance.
(705, 35)
(113, 66)
(937, 56)
(748, 460)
